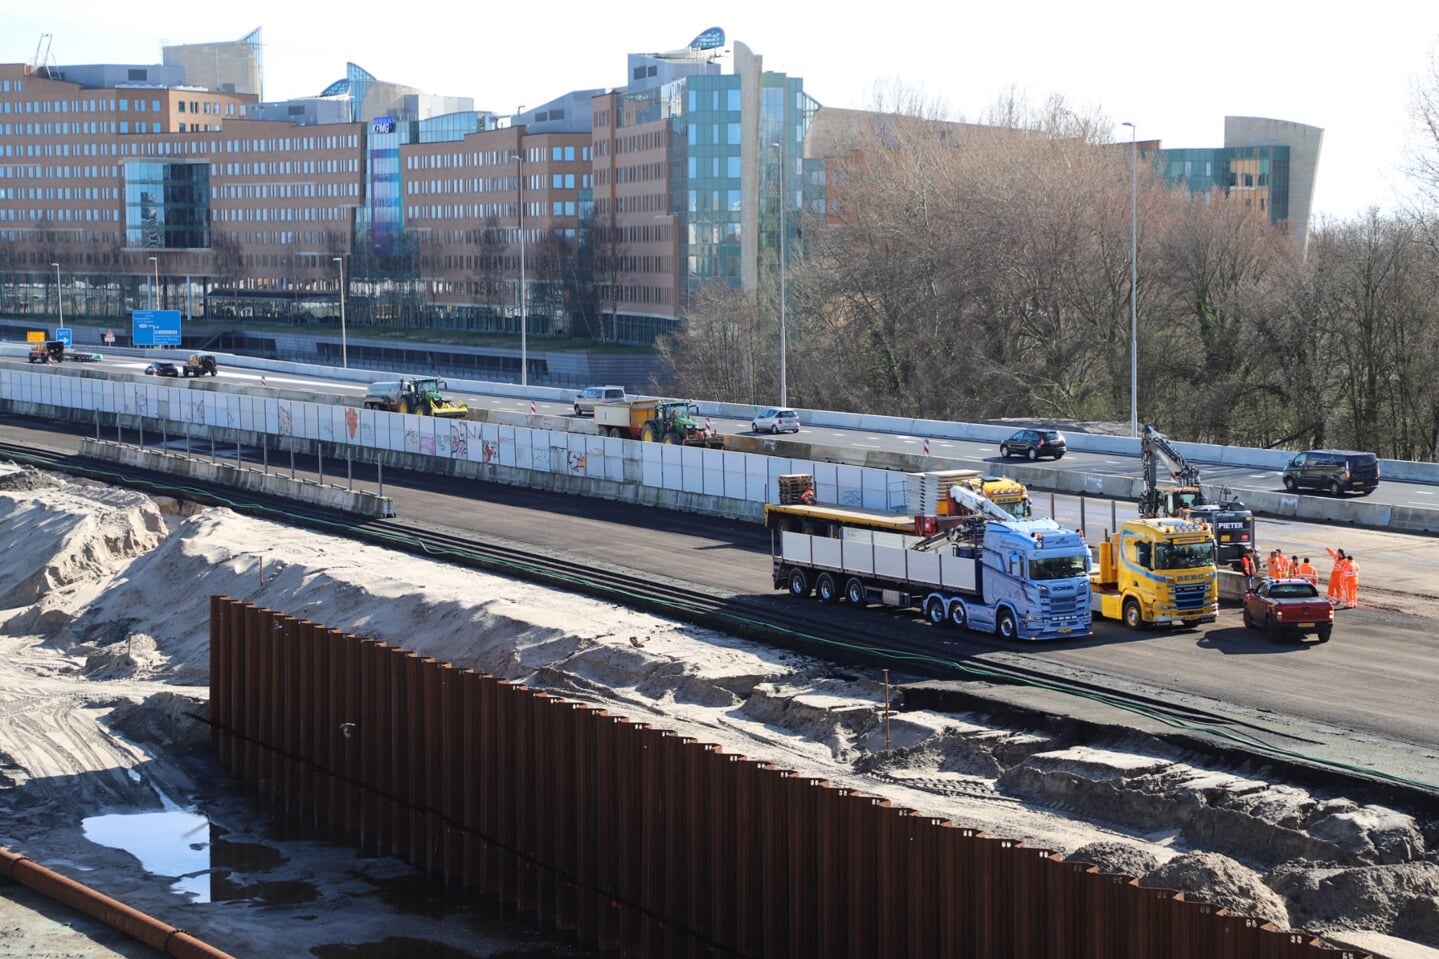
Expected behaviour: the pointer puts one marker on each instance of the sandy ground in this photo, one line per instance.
(103, 662)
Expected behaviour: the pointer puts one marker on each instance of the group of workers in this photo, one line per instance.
(1343, 579)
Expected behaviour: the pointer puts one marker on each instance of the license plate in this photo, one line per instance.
(1306, 625)
(1064, 629)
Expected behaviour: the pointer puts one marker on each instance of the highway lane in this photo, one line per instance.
(1364, 698)
(946, 453)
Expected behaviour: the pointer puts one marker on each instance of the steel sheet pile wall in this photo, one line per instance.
(644, 842)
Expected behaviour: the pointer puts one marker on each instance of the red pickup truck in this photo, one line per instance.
(1288, 608)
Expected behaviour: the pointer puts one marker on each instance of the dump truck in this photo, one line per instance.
(657, 421)
(1157, 571)
(422, 395)
(49, 351)
(1021, 579)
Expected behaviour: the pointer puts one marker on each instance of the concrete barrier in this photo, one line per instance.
(241, 478)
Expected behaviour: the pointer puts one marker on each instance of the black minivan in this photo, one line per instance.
(1335, 471)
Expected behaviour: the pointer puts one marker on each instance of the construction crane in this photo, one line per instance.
(43, 60)
(1231, 521)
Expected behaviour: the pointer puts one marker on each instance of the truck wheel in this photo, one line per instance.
(674, 439)
(854, 591)
(798, 583)
(1323, 633)
(1133, 617)
(1249, 622)
(825, 588)
(934, 610)
(958, 615)
(1276, 632)
(1004, 625)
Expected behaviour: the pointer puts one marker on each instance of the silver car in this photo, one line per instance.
(776, 419)
(591, 396)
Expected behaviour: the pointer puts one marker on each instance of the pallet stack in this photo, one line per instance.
(792, 485)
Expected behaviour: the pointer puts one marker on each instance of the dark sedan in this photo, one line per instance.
(1033, 444)
(161, 368)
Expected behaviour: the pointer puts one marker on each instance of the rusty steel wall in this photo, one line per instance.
(649, 844)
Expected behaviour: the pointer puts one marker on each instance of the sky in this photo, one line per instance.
(1176, 72)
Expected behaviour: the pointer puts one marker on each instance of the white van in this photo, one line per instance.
(591, 396)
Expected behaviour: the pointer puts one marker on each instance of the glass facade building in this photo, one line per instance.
(1257, 176)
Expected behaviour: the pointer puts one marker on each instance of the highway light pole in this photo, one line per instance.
(344, 349)
(1133, 279)
(783, 337)
(524, 301)
(154, 286)
(59, 300)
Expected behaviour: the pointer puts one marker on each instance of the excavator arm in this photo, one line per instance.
(1154, 448)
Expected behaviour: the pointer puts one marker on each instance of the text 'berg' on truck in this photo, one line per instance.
(1230, 521)
(1022, 579)
(657, 421)
(422, 395)
(1157, 571)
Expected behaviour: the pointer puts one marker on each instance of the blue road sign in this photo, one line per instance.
(155, 327)
(65, 335)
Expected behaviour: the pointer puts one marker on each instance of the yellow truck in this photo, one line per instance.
(1008, 494)
(1157, 571)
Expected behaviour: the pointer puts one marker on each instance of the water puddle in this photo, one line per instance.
(188, 846)
(170, 843)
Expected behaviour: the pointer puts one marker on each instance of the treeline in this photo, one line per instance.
(977, 273)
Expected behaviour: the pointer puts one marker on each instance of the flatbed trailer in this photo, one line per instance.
(1023, 580)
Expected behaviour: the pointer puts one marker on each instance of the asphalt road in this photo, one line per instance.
(1365, 698)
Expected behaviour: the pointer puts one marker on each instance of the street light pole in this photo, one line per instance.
(59, 300)
(344, 349)
(1133, 279)
(783, 243)
(524, 302)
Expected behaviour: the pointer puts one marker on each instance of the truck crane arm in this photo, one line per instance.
(978, 503)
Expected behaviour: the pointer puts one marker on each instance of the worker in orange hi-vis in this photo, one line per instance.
(1336, 576)
(1250, 566)
(1281, 566)
(1351, 582)
(1307, 571)
(1271, 564)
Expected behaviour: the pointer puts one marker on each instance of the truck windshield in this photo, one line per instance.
(1187, 556)
(1058, 567)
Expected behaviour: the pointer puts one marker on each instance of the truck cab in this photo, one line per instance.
(1157, 571)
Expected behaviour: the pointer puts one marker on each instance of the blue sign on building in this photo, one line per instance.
(711, 39)
(155, 327)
